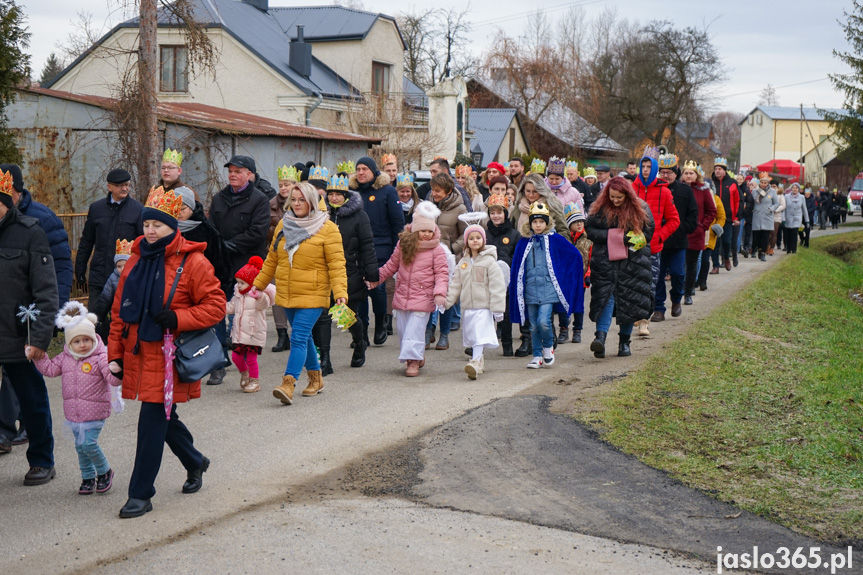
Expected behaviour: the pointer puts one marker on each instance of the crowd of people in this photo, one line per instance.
(475, 252)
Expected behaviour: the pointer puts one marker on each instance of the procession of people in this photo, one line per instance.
(484, 252)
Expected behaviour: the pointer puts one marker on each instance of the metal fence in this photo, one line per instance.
(74, 225)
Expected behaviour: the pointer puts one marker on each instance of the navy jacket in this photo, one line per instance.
(58, 239)
(381, 203)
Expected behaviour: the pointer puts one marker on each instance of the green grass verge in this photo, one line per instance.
(760, 404)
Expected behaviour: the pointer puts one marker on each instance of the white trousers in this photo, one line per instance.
(411, 328)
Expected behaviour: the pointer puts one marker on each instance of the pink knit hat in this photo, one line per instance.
(425, 215)
(474, 221)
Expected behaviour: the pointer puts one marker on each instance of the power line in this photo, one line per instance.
(777, 87)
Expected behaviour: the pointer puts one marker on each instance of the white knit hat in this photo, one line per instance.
(74, 319)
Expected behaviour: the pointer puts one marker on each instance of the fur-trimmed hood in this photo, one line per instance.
(527, 232)
(379, 182)
(353, 204)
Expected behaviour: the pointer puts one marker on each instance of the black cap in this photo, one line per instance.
(118, 176)
(17, 178)
(242, 162)
(603, 168)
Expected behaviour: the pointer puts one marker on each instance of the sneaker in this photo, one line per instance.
(472, 369)
(547, 356)
(105, 481)
(88, 486)
(535, 363)
(643, 328)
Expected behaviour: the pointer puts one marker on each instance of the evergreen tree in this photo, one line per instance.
(848, 125)
(14, 70)
(52, 68)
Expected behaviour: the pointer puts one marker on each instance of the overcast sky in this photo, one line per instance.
(783, 42)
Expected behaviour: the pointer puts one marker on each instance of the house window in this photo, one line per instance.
(173, 69)
(340, 118)
(381, 78)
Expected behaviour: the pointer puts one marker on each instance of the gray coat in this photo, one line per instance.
(762, 213)
(26, 277)
(795, 210)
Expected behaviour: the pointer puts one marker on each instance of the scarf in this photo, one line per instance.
(188, 225)
(297, 230)
(406, 206)
(144, 290)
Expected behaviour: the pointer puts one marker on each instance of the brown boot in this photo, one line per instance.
(316, 383)
(413, 368)
(252, 386)
(285, 392)
(244, 380)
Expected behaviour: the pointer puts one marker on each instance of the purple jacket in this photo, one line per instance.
(86, 396)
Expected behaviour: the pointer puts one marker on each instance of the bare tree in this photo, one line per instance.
(768, 96)
(726, 129)
(417, 38)
(84, 35)
(437, 45)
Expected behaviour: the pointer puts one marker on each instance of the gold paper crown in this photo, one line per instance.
(406, 179)
(539, 209)
(346, 167)
(463, 171)
(6, 183)
(388, 159)
(498, 201)
(286, 173)
(720, 161)
(319, 173)
(537, 166)
(589, 172)
(764, 176)
(338, 184)
(667, 160)
(124, 248)
(690, 165)
(164, 201)
(439, 158)
(173, 156)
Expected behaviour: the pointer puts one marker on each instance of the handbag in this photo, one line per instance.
(199, 352)
(616, 245)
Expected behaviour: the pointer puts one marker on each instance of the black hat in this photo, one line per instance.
(603, 168)
(300, 166)
(118, 176)
(242, 162)
(370, 164)
(15, 172)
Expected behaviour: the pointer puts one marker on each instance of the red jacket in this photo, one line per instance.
(661, 203)
(199, 303)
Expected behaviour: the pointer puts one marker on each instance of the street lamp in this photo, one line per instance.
(476, 156)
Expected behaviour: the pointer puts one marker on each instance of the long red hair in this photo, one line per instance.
(630, 215)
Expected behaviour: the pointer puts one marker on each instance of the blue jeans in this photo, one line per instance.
(303, 350)
(541, 334)
(603, 322)
(91, 460)
(444, 319)
(35, 415)
(671, 262)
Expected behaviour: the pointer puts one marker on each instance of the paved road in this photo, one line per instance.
(259, 510)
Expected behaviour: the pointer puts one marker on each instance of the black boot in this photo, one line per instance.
(576, 336)
(597, 346)
(321, 334)
(380, 329)
(525, 349)
(623, 347)
(359, 345)
(389, 324)
(284, 342)
(326, 365)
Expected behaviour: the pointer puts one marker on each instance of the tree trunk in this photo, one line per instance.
(146, 160)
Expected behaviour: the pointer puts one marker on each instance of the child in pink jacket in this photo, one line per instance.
(421, 283)
(87, 397)
(249, 331)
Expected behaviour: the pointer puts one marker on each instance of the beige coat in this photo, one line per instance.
(452, 228)
(480, 284)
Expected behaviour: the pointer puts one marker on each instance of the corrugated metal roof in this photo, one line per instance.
(324, 23)
(490, 126)
(792, 113)
(217, 119)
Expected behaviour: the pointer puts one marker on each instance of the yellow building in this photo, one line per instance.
(781, 133)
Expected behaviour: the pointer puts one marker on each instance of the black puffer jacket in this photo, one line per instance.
(381, 204)
(687, 209)
(106, 223)
(503, 237)
(628, 280)
(748, 204)
(593, 192)
(243, 220)
(361, 262)
(26, 277)
(215, 251)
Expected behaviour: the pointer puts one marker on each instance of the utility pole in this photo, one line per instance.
(800, 170)
(146, 161)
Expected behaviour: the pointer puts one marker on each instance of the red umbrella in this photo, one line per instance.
(783, 168)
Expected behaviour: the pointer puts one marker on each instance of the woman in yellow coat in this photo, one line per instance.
(308, 262)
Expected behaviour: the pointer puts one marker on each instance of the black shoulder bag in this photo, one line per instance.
(199, 352)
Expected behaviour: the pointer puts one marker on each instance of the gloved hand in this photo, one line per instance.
(587, 282)
(117, 403)
(116, 367)
(167, 318)
(229, 245)
(498, 317)
(82, 281)
(254, 293)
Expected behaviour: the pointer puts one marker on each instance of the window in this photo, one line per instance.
(380, 78)
(173, 69)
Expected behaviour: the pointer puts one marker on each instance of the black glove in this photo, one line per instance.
(587, 282)
(229, 245)
(167, 319)
(119, 374)
(82, 281)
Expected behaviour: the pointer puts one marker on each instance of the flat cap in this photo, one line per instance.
(118, 176)
(242, 162)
